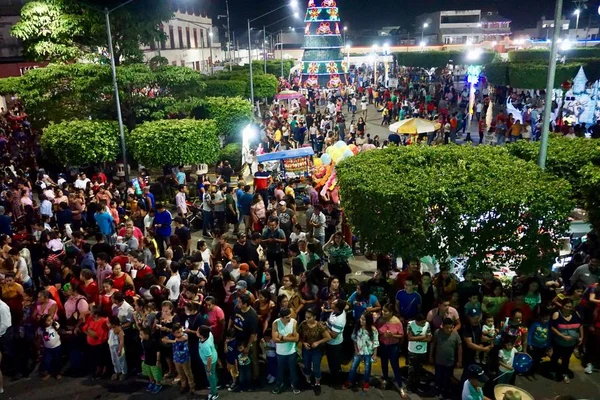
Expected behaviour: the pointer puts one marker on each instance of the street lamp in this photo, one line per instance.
(425, 25)
(348, 56)
(106, 12)
(294, 5)
(212, 62)
(345, 29)
(577, 13)
(296, 15)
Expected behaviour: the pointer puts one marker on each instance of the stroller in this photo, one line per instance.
(195, 215)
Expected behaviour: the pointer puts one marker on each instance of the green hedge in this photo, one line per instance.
(544, 54)
(175, 142)
(532, 75)
(231, 114)
(227, 88)
(232, 153)
(451, 201)
(438, 59)
(497, 73)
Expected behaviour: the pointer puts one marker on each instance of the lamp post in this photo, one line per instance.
(550, 86)
(212, 62)
(345, 29)
(296, 15)
(577, 13)
(228, 48)
(348, 56)
(425, 25)
(294, 5)
(265, 47)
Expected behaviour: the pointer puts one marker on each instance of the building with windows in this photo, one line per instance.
(461, 27)
(10, 47)
(189, 42)
(544, 29)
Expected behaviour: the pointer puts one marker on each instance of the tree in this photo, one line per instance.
(175, 142)
(62, 30)
(61, 92)
(265, 86)
(232, 153)
(231, 114)
(455, 201)
(80, 142)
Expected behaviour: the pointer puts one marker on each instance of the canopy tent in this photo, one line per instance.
(288, 95)
(412, 126)
(282, 155)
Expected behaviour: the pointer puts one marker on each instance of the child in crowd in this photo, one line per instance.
(244, 368)
(488, 334)
(181, 358)
(268, 347)
(445, 347)
(231, 355)
(538, 340)
(151, 366)
(366, 340)
(474, 303)
(506, 356)
(116, 344)
(419, 334)
(48, 333)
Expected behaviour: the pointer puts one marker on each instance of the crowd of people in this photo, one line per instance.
(102, 280)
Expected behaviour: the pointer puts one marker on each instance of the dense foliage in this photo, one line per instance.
(480, 203)
(231, 114)
(542, 55)
(232, 153)
(175, 142)
(438, 59)
(63, 30)
(61, 92)
(80, 142)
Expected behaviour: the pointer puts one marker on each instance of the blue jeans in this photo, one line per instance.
(245, 377)
(272, 366)
(366, 359)
(284, 363)
(312, 358)
(206, 221)
(52, 360)
(390, 352)
(500, 139)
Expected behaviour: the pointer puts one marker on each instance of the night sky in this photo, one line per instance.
(373, 14)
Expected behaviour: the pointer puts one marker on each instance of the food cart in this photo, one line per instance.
(289, 163)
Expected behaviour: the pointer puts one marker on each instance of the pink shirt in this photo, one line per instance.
(46, 309)
(393, 327)
(214, 318)
(82, 306)
(436, 320)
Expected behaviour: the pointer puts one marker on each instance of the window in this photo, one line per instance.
(197, 65)
(174, 63)
(195, 38)
(459, 19)
(202, 38)
(180, 31)
(182, 62)
(187, 38)
(171, 37)
(565, 27)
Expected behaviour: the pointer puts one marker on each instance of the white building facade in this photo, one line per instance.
(189, 43)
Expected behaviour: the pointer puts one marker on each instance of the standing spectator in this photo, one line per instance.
(285, 337)
(317, 224)
(116, 344)
(366, 340)
(274, 239)
(567, 332)
(446, 353)
(209, 356)
(162, 225)
(391, 334)
(312, 338)
(336, 324)
(245, 323)
(419, 334)
(181, 358)
(96, 330)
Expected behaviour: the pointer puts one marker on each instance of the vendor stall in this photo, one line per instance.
(414, 127)
(291, 163)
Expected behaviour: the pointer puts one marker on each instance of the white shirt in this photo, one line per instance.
(174, 285)
(479, 107)
(507, 358)
(318, 219)
(180, 202)
(50, 336)
(124, 312)
(5, 318)
(294, 238)
(337, 323)
(414, 346)
(23, 270)
(363, 105)
(82, 183)
(148, 220)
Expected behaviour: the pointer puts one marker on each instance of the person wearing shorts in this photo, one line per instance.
(151, 366)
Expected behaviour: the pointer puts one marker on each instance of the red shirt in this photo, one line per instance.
(99, 327)
(142, 272)
(121, 260)
(526, 311)
(402, 276)
(91, 292)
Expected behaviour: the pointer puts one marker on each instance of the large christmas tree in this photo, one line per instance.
(323, 62)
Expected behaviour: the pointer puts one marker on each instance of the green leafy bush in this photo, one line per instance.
(232, 153)
(438, 59)
(590, 175)
(265, 86)
(175, 142)
(231, 114)
(543, 55)
(481, 203)
(227, 88)
(80, 142)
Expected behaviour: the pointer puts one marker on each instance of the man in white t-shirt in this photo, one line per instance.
(82, 182)
(419, 334)
(336, 324)
(174, 284)
(317, 223)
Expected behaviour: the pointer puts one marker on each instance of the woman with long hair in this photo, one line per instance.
(567, 329)
(428, 292)
(363, 301)
(329, 295)
(264, 307)
(391, 334)
(366, 340)
(258, 213)
(269, 282)
(312, 338)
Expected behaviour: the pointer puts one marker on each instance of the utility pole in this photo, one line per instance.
(265, 47)
(228, 35)
(550, 85)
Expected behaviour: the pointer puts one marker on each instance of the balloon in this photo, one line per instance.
(340, 144)
(336, 154)
(354, 149)
(522, 363)
(317, 162)
(326, 159)
(347, 153)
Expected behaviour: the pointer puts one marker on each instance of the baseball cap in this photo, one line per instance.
(282, 203)
(476, 372)
(473, 312)
(241, 285)
(244, 268)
